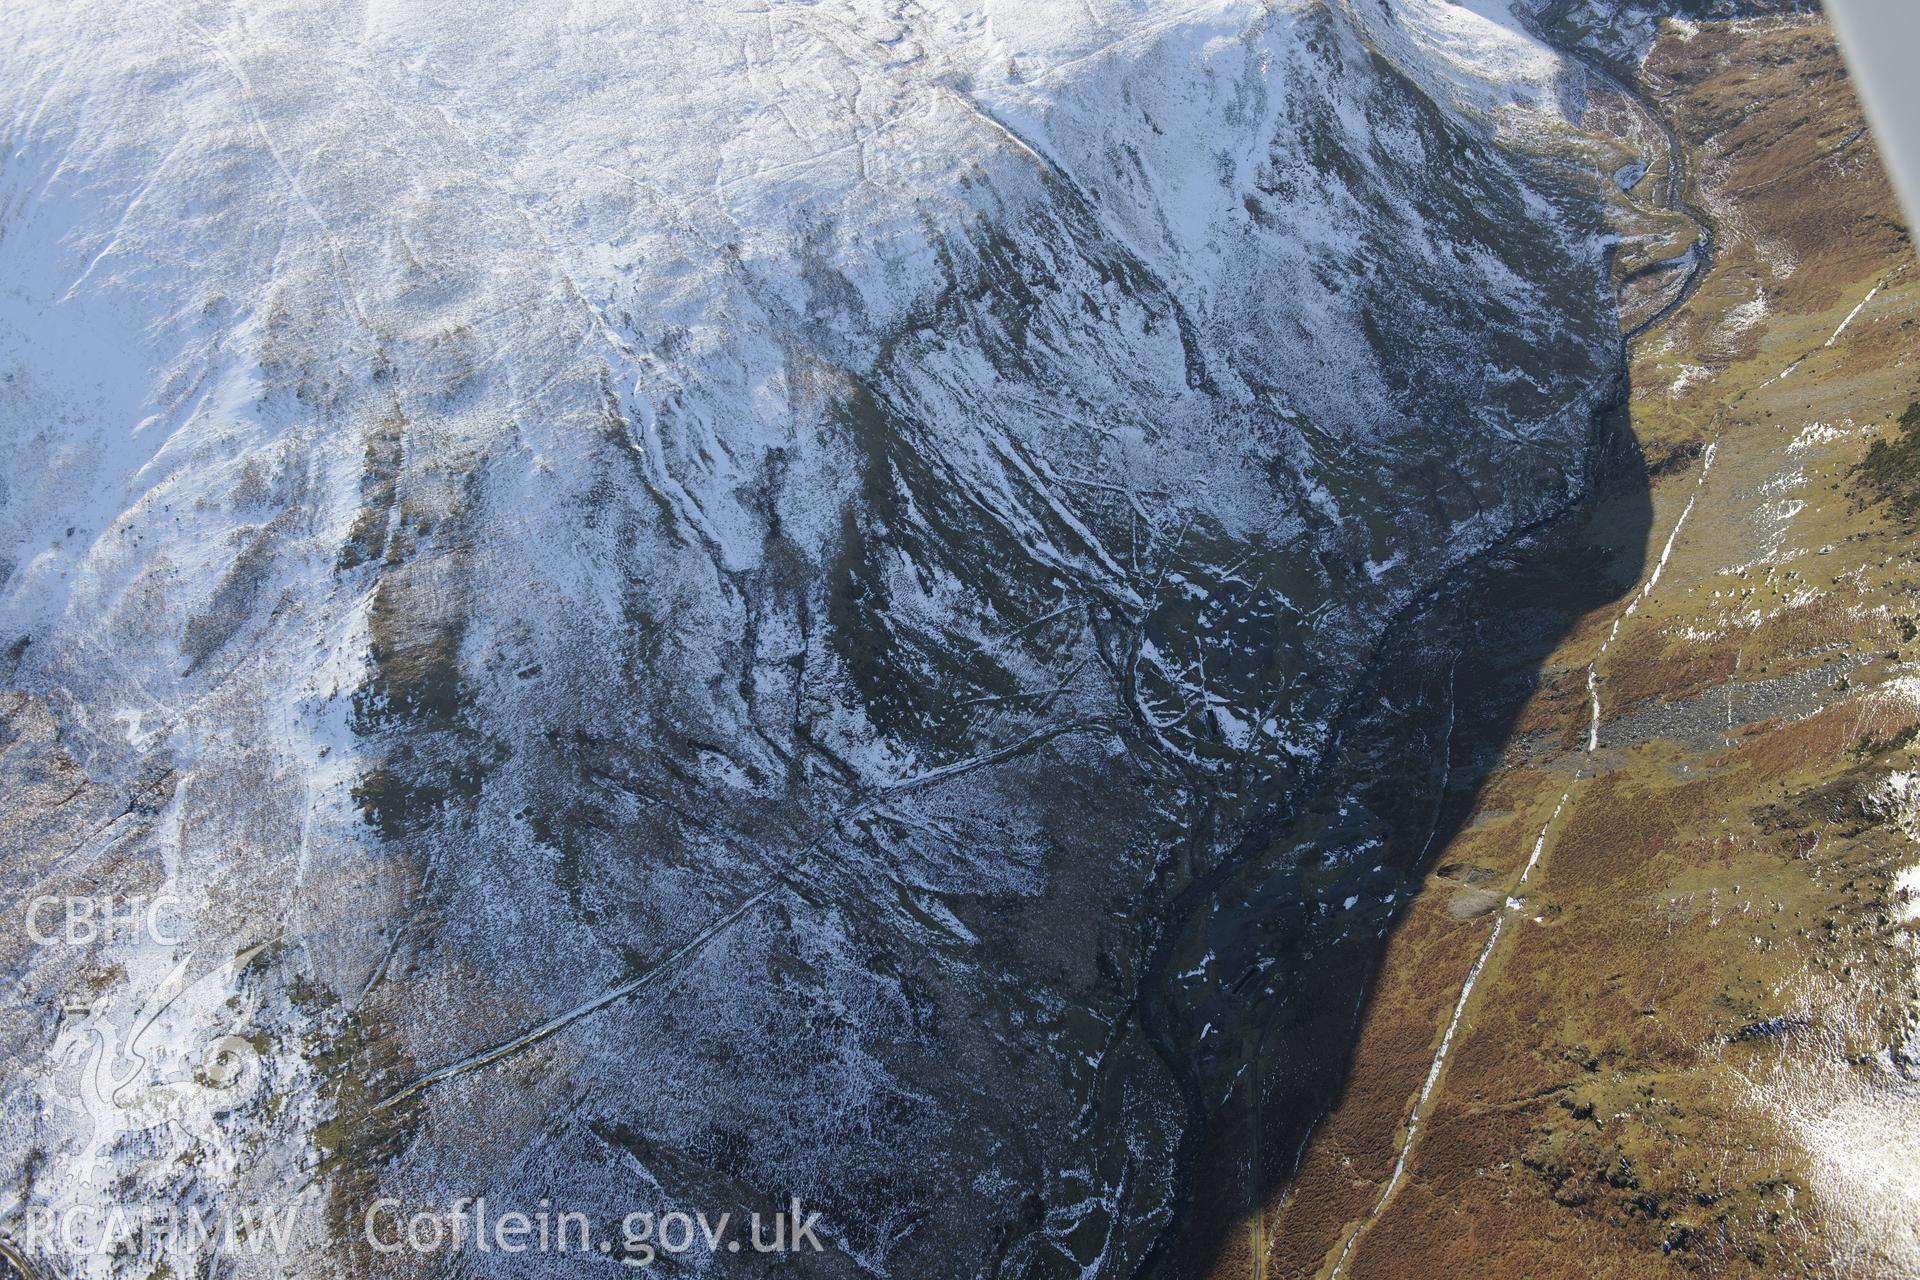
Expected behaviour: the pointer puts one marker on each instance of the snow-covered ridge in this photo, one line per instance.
(631, 498)
(536, 195)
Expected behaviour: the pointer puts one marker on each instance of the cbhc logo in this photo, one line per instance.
(78, 920)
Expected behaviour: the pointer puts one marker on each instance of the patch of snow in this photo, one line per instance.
(1689, 375)
(1816, 433)
(1745, 316)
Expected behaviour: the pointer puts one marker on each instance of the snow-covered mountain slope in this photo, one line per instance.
(702, 575)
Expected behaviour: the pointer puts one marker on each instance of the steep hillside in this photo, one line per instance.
(688, 604)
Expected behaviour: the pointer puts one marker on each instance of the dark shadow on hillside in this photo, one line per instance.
(1433, 716)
